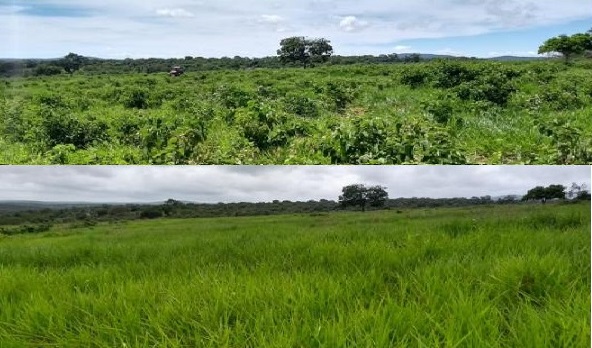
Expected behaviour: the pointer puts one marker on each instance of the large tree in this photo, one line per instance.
(568, 46)
(361, 196)
(301, 50)
(72, 62)
(549, 192)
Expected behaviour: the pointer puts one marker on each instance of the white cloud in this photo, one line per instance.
(174, 12)
(351, 24)
(277, 23)
(450, 52)
(255, 27)
(514, 53)
(266, 183)
(402, 49)
(273, 19)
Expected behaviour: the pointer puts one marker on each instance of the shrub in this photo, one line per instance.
(339, 95)
(440, 106)
(233, 97)
(47, 70)
(414, 77)
(67, 128)
(300, 105)
(261, 124)
(494, 88)
(448, 74)
(151, 213)
(570, 147)
(136, 99)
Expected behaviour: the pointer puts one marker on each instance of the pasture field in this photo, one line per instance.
(493, 276)
(438, 112)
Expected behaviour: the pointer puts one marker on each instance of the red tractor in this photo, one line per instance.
(177, 71)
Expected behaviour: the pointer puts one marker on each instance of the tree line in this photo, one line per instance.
(293, 51)
(16, 218)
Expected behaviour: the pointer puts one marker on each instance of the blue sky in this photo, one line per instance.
(253, 28)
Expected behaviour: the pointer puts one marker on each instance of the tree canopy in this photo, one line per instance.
(360, 195)
(301, 50)
(549, 192)
(72, 62)
(568, 46)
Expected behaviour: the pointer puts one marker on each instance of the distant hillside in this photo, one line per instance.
(515, 58)
(10, 206)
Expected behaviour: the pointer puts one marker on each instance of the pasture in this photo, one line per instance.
(490, 276)
(438, 112)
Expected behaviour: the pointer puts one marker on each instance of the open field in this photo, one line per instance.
(435, 112)
(494, 276)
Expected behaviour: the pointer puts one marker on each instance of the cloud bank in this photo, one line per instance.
(214, 28)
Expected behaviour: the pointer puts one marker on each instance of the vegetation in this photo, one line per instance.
(549, 192)
(473, 277)
(304, 51)
(34, 217)
(438, 112)
(360, 195)
(568, 46)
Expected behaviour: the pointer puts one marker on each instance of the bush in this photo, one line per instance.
(47, 70)
(449, 74)
(233, 97)
(300, 105)
(441, 107)
(151, 213)
(65, 128)
(339, 95)
(494, 88)
(136, 99)
(414, 77)
(261, 124)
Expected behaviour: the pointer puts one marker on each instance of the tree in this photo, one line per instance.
(360, 195)
(376, 196)
(72, 62)
(304, 51)
(568, 46)
(575, 190)
(550, 192)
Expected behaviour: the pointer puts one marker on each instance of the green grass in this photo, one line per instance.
(325, 115)
(503, 276)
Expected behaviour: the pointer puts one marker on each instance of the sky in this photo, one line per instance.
(254, 28)
(213, 184)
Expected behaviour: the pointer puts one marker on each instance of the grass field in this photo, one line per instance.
(436, 112)
(494, 276)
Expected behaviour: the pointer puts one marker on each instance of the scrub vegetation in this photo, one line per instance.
(436, 112)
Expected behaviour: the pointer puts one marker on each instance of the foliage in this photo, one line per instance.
(72, 62)
(304, 51)
(440, 112)
(549, 192)
(568, 46)
(360, 195)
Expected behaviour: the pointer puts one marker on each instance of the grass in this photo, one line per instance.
(500, 276)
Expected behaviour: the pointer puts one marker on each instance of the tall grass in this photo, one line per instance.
(472, 277)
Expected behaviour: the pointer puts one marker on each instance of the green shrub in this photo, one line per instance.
(414, 77)
(440, 106)
(136, 98)
(448, 74)
(300, 105)
(339, 95)
(67, 128)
